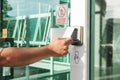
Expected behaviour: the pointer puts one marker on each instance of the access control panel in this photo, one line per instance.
(77, 40)
(76, 33)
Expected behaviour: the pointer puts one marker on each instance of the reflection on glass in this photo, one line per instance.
(29, 23)
(107, 40)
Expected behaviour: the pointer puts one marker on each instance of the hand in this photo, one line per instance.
(59, 46)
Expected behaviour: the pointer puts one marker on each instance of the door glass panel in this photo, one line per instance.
(107, 40)
(29, 23)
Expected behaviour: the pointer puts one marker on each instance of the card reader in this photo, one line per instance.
(76, 33)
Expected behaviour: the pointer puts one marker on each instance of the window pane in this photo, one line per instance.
(29, 23)
(107, 40)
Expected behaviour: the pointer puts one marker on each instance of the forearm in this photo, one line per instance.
(23, 56)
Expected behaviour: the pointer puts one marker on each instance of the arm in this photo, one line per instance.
(23, 56)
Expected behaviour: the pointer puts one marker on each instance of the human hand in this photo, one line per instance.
(59, 46)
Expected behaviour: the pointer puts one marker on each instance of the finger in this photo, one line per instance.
(68, 41)
(65, 52)
(61, 38)
(64, 47)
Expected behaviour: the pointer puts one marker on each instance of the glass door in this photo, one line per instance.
(29, 23)
(105, 40)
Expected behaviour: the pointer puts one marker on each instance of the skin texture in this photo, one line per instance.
(23, 56)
